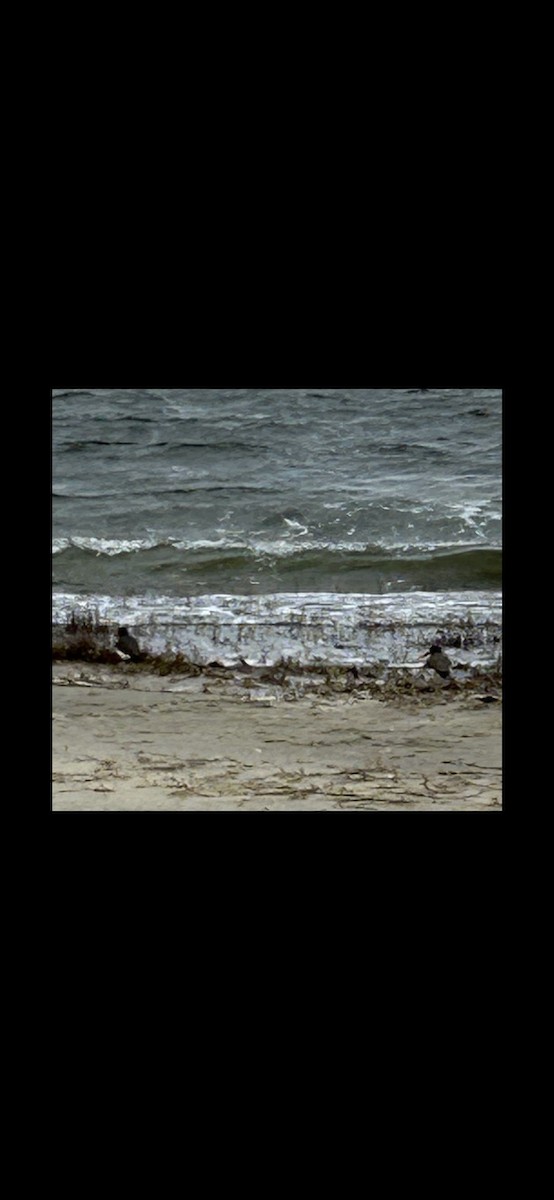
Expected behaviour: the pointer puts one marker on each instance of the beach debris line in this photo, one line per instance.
(291, 681)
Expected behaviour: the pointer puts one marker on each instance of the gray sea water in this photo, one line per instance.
(174, 502)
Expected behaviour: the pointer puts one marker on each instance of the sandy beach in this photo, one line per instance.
(125, 741)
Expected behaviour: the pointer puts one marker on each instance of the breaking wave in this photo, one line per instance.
(459, 564)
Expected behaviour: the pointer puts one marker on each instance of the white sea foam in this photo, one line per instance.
(109, 546)
(293, 543)
(306, 627)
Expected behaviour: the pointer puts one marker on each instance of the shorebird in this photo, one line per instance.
(127, 644)
(438, 661)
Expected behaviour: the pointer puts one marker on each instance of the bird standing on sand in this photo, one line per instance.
(127, 644)
(439, 662)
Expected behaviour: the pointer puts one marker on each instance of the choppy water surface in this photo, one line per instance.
(163, 495)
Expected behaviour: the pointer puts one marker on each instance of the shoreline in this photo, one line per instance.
(316, 631)
(128, 739)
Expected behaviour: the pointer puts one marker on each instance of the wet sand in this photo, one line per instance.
(124, 741)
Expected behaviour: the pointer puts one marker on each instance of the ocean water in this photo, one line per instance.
(268, 522)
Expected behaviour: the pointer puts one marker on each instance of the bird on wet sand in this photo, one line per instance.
(439, 661)
(127, 644)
